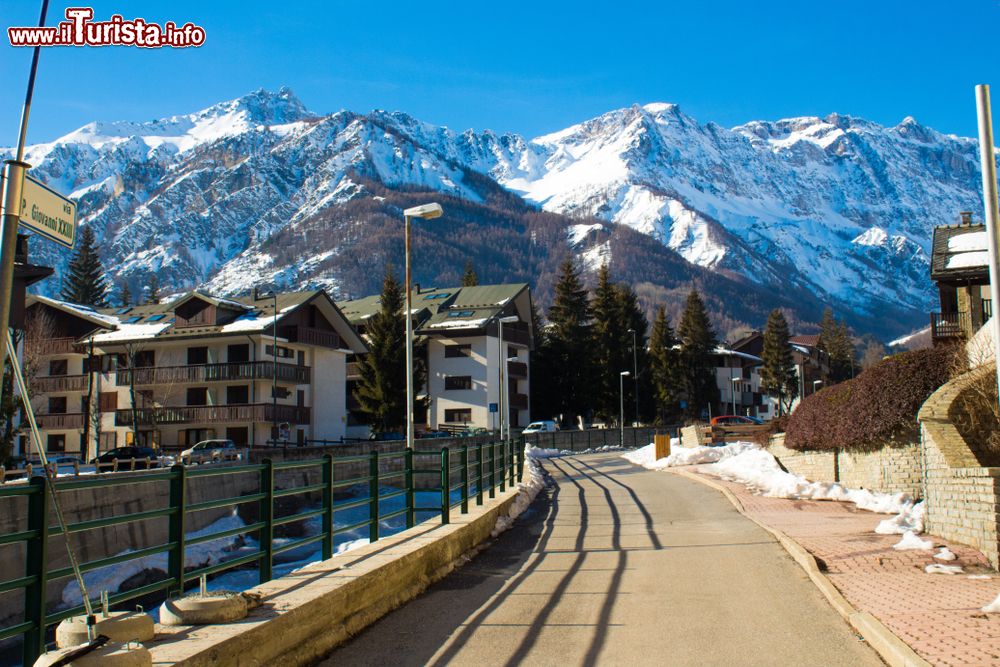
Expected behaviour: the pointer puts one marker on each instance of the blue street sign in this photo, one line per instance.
(494, 407)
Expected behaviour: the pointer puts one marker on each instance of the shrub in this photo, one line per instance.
(877, 407)
(976, 415)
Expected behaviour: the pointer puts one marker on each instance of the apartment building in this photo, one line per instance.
(467, 366)
(197, 367)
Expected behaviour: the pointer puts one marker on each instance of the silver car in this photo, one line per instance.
(211, 451)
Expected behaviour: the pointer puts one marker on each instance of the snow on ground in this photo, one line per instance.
(746, 463)
(944, 553)
(938, 568)
(533, 482)
(911, 541)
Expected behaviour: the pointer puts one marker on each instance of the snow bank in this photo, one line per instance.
(910, 518)
(534, 481)
(945, 554)
(684, 456)
(938, 568)
(911, 541)
(993, 607)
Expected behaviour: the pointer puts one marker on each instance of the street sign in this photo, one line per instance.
(494, 407)
(45, 211)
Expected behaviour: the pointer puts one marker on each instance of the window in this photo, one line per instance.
(439, 295)
(458, 350)
(197, 396)
(155, 318)
(238, 354)
(458, 416)
(283, 352)
(108, 440)
(57, 443)
(458, 382)
(108, 401)
(461, 313)
(240, 435)
(122, 311)
(58, 367)
(238, 395)
(57, 405)
(197, 355)
(132, 320)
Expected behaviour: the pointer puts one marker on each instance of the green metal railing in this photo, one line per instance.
(480, 469)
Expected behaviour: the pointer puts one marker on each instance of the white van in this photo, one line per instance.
(546, 426)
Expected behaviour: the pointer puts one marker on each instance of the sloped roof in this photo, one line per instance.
(807, 340)
(92, 315)
(958, 252)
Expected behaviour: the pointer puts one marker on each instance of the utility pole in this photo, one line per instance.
(635, 375)
(992, 217)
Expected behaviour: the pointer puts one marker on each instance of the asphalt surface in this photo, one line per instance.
(617, 565)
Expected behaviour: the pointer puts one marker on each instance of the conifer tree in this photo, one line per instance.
(835, 343)
(697, 368)
(469, 278)
(634, 319)
(381, 391)
(85, 284)
(777, 376)
(664, 362)
(152, 290)
(569, 341)
(607, 348)
(125, 296)
(543, 404)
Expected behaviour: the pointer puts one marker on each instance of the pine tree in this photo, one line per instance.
(152, 290)
(835, 344)
(469, 278)
(607, 348)
(381, 391)
(125, 296)
(697, 367)
(569, 341)
(777, 377)
(664, 363)
(634, 320)
(543, 404)
(85, 283)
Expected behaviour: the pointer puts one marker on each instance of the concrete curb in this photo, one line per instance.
(306, 614)
(891, 648)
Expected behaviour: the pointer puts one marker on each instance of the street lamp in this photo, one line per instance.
(621, 420)
(502, 357)
(257, 296)
(635, 375)
(816, 385)
(427, 212)
(735, 381)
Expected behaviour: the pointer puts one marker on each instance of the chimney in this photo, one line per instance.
(966, 218)
(416, 286)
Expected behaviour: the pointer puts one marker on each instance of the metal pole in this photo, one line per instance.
(621, 419)
(992, 216)
(274, 368)
(12, 202)
(732, 388)
(501, 361)
(409, 345)
(635, 375)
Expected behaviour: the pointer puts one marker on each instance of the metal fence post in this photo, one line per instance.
(464, 458)
(503, 466)
(37, 566)
(177, 526)
(445, 487)
(588, 439)
(520, 461)
(327, 506)
(408, 480)
(479, 473)
(267, 516)
(373, 494)
(513, 462)
(493, 468)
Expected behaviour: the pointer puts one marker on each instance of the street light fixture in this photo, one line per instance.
(735, 382)
(257, 296)
(816, 385)
(621, 419)
(502, 357)
(635, 375)
(427, 212)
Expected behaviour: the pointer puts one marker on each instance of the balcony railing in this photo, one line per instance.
(354, 370)
(46, 346)
(517, 369)
(55, 383)
(312, 336)
(226, 372)
(61, 421)
(950, 325)
(519, 401)
(214, 414)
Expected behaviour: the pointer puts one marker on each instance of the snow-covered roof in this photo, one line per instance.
(733, 353)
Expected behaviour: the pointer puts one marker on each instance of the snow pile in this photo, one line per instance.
(685, 456)
(938, 568)
(534, 481)
(945, 554)
(911, 541)
(542, 453)
(993, 607)
(909, 518)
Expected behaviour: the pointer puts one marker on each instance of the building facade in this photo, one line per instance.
(470, 373)
(199, 367)
(959, 267)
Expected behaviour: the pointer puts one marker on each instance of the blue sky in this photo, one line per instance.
(527, 67)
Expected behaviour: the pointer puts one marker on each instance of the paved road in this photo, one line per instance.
(617, 565)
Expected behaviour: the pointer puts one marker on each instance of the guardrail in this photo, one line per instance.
(494, 466)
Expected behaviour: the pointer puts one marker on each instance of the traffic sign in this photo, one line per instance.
(494, 407)
(47, 212)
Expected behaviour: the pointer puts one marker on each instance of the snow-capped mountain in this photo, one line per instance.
(800, 212)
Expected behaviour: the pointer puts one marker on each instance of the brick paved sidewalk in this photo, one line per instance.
(938, 615)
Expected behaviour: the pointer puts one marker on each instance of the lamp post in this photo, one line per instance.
(735, 381)
(502, 357)
(816, 385)
(635, 374)
(990, 208)
(257, 296)
(621, 420)
(427, 212)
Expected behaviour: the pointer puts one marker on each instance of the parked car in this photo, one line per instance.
(544, 426)
(211, 451)
(388, 435)
(735, 420)
(478, 430)
(125, 456)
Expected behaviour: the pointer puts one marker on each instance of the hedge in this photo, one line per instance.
(877, 407)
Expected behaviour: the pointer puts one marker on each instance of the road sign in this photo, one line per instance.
(494, 407)
(47, 212)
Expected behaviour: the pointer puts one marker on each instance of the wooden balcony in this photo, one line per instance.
(517, 369)
(214, 414)
(227, 372)
(354, 370)
(67, 420)
(57, 383)
(519, 401)
(47, 346)
(950, 325)
(311, 336)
